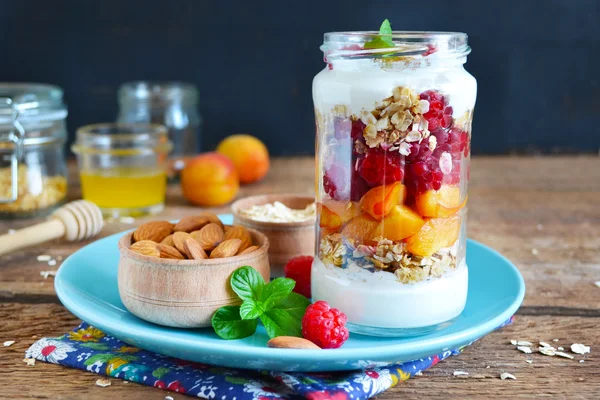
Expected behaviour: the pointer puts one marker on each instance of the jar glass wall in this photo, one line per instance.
(393, 149)
(123, 167)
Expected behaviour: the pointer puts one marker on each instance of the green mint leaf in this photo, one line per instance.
(251, 309)
(228, 324)
(247, 283)
(384, 40)
(285, 318)
(276, 290)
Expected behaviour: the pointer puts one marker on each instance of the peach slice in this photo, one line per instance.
(359, 229)
(400, 223)
(439, 203)
(379, 201)
(327, 218)
(346, 210)
(436, 234)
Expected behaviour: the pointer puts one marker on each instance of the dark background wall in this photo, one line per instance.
(537, 62)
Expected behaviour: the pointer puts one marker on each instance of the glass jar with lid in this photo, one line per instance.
(393, 149)
(172, 104)
(33, 172)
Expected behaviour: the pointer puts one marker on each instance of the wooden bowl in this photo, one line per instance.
(288, 239)
(183, 293)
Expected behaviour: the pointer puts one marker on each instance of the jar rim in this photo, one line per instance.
(157, 91)
(33, 103)
(122, 138)
(434, 44)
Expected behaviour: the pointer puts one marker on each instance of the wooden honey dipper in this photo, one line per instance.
(74, 221)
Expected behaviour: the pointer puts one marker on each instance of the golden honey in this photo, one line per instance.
(124, 188)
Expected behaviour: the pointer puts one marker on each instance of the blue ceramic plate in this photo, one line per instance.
(87, 285)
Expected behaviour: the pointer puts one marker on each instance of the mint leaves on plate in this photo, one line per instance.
(384, 40)
(280, 310)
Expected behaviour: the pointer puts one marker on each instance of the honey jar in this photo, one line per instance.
(33, 172)
(122, 167)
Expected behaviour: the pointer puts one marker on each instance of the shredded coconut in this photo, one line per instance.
(279, 212)
(579, 348)
(9, 343)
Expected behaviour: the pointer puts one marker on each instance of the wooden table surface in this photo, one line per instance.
(541, 213)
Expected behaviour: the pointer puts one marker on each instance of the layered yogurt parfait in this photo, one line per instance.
(393, 115)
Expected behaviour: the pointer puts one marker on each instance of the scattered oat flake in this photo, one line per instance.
(529, 361)
(460, 373)
(555, 340)
(521, 343)
(44, 258)
(419, 373)
(513, 342)
(46, 274)
(579, 348)
(488, 366)
(103, 382)
(565, 355)
(9, 343)
(52, 262)
(535, 252)
(524, 349)
(547, 351)
(544, 344)
(168, 398)
(597, 283)
(29, 361)
(560, 348)
(581, 361)
(506, 375)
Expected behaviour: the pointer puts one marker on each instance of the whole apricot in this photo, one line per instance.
(249, 155)
(209, 179)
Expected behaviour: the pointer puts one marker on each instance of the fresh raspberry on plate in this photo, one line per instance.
(298, 269)
(325, 326)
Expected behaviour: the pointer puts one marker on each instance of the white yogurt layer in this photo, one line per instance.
(377, 299)
(361, 84)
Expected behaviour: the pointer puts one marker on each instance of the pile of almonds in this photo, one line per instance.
(195, 238)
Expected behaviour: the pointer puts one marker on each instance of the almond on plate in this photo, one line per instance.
(227, 248)
(155, 231)
(146, 247)
(190, 224)
(238, 232)
(179, 239)
(193, 249)
(209, 236)
(292, 342)
(167, 251)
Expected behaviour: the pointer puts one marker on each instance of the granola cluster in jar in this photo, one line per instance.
(392, 185)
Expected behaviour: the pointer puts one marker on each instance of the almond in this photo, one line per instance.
(193, 249)
(179, 239)
(168, 241)
(248, 250)
(211, 218)
(227, 248)
(146, 247)
(209, 236)
(190, 224)
(155, 231)
(292, 342)
(167, 251)
(238, 232)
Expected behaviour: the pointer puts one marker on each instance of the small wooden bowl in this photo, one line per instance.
(183, 293)
(288, 239)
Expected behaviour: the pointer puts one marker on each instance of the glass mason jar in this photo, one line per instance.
(33, 171)
(172, 104)
(392, 165)
(122, 167)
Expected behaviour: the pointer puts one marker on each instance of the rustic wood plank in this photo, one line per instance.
(545, 376)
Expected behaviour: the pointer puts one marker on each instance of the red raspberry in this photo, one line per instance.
(325, 326)
(379, 167)
(440, 113)
(298, 269)
(335, 182)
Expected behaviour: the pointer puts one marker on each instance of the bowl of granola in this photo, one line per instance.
(287, 220)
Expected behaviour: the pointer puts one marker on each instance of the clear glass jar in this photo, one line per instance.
(392, 155)
(122, 167)
(172, 104)
(33, 171)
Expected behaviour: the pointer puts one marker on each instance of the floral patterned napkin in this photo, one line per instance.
(90, 349)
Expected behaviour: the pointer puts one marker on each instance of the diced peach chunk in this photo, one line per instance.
(327, 218)
(359, 229)
(439, 203)
(379, 201)
(436, 234)
(346, 210)
(400, 223)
